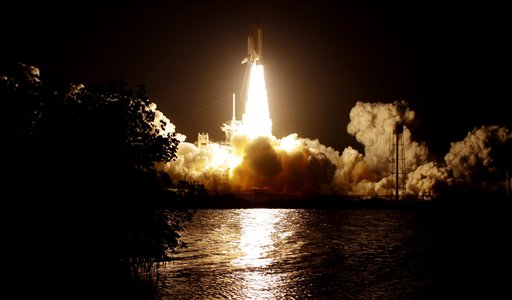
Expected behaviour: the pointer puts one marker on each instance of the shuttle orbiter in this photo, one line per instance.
(254, 46)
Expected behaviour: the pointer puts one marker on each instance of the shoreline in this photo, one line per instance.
(233, 201)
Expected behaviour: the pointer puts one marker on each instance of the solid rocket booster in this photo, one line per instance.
(254, 46)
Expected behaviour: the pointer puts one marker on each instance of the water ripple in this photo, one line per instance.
(298, 254)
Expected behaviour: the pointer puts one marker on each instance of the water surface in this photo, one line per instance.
(302, 253)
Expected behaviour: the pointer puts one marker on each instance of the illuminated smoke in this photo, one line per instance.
(373, 123)
(292, 165)
(481, 158)
(285, 165)
(255, 159)
(428, 180)
(160, 119)
(353, 175)
(208, 165)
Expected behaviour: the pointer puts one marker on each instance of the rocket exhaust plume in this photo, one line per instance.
(256, 119)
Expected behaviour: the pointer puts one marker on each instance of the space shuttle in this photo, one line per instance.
(254, 46)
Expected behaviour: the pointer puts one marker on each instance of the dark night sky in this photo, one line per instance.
(448, 61)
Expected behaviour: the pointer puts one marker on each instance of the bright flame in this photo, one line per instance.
(234, 161)
(289, 143)
(256, 119)
(220, 157)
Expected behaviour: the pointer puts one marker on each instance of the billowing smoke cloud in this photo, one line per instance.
(482, 157)
(353, 175)
(373, 125)
(161, 124)
(261, 163)
(206, 165)
(428, 180)
(260, 167)
(294, 165)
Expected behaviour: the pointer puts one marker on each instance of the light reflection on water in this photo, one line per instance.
(257, 240)
(297, 254)
(257, 237)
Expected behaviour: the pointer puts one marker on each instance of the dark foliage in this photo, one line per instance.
(82, 197)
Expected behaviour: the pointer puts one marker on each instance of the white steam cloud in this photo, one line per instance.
(481, 158)
(373, 124)
(294, 165)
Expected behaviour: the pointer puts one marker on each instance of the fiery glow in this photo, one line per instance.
(256, 119)
(253, 159)
(289, 143)
(234, 161)
(220, 157)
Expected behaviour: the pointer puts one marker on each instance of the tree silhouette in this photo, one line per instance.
(79, 168)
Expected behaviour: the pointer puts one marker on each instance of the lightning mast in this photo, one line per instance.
(397, 155)
(398, 161)
(233, 119)
(231, 127)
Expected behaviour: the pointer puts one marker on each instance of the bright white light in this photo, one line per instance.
(256, 119)
(289, 143)
(257, 239)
